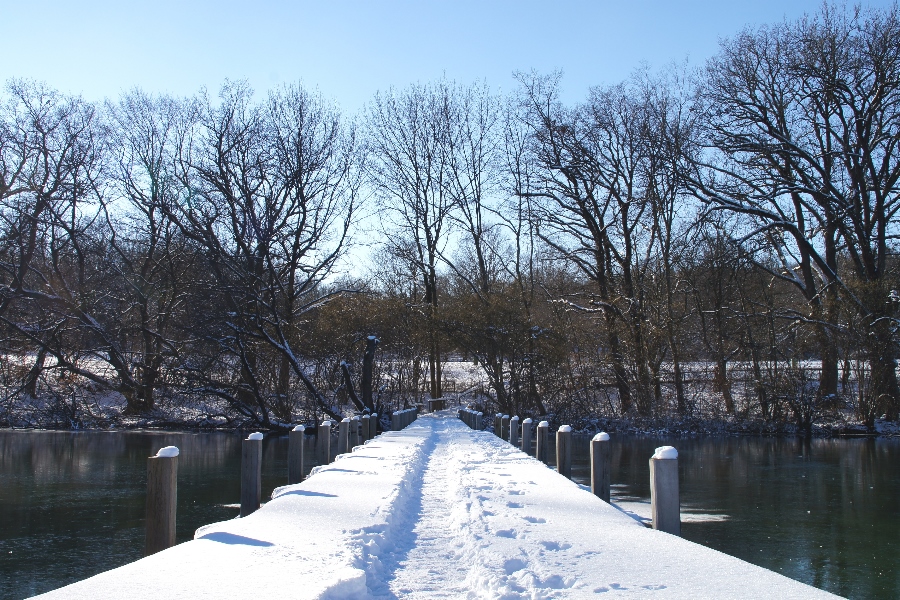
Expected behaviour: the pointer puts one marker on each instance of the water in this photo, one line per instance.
(72, 503)
(824, 512)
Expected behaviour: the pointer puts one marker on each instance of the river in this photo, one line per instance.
(824, 512)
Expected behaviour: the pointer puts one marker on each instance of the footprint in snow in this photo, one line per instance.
(516, 493)
(514, 505)
(507, 533)
(556, 582)
(514, 564)
(556, 546)
(535, 520)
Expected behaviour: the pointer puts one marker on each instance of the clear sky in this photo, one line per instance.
(351, 48)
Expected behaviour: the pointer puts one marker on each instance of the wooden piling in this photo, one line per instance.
(600, 456)
(514, 431)
(498, 430)
(295, 454)
(564, 451)
(526, 436)
(364, 429)
(162, 500)
(343, 435)
(251, 473)
(373, 426)
(543, 441)
(665, 503)
(354, 434)
(504, 427)
(323, 442)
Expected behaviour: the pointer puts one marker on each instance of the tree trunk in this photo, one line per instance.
(30, 386)
(882, 359)
(367, 374)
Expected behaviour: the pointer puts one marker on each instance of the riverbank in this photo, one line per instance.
(109, 414)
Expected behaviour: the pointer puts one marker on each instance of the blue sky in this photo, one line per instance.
(350, 49)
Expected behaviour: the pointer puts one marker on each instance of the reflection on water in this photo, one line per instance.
(824, 512)
(72, 503)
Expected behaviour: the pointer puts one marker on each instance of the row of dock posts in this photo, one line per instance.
(665, 504)
(162, 470)
(403, 418)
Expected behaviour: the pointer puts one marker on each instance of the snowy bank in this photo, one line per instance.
(435, 510)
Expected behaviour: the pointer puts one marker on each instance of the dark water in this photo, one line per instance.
(825, 512)
(72, 504)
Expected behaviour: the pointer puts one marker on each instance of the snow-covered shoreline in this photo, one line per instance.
(436, 510)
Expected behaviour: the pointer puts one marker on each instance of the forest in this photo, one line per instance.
(691, 245)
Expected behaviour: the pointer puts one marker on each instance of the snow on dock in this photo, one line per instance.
(436, 510)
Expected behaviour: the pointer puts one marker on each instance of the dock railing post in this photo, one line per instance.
(323, 442)
(564, 451)
(364, 429)
(251, 473)
(514, 431)
(162, 496)
(295, 454)
(479, 421)
(600, 466)
(504, 427)
(343, 435)
(354, 434)
(395, 421)
(665, 503)
(526, 436)
(543, 441)
(498, 431)
(373, 426)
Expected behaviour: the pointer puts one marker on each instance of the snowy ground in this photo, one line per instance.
(436, 511)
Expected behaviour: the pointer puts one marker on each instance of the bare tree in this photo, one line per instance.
(273, 192)
(802, 138)
(408, 134)
(153, 262)
(601, 179)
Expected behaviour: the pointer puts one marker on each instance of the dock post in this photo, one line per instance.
(354, 434)
(479, 421)
(564, 451)
(373, 426)
(395, 421)
(295, 454)
(343, 435)
(543, 441)
(323, 442)
(665, 504)
(364, 429)
(497, 429)
(162, 493)
(600, 466)
(514, 431)
(526, 436)
(251, 473)
(504, 427)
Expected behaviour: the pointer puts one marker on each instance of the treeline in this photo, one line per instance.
(695, 243)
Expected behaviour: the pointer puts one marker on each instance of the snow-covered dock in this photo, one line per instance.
(436, 510)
